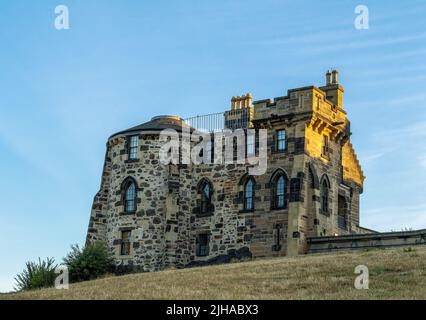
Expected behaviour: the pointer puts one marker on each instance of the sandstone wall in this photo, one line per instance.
(165, 226)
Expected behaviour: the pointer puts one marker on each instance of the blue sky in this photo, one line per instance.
(62, 93)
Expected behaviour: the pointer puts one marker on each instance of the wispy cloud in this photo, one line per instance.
(408, 99)
(369, 158)
(414, 130)
(389, 218)
(387, 142)
(390, 40)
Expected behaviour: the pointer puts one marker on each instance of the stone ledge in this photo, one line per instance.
(369, 236)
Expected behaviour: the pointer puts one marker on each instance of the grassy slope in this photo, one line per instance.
(394, 273)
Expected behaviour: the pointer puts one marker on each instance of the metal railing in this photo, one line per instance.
(233, 119)
(209, 122)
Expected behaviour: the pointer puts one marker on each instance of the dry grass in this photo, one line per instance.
(394, 274)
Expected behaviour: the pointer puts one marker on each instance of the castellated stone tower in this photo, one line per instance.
(153, 215)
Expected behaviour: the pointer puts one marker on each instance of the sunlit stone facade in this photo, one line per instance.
(153, 215)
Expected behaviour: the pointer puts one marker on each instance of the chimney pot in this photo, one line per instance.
(328, 78)
(335, 77)
(233, 99)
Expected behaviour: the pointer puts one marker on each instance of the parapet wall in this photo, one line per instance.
(363, 241)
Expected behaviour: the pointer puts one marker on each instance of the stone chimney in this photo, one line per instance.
(328, 78)
(335, 77)
(242, 102)
(233, 103)
(249, 99)
(333, 89)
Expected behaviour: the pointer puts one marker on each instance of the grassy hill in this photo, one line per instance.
(394, 273)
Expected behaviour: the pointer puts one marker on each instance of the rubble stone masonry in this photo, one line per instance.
(323, 183)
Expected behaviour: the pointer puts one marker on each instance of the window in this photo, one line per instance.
(130, 198)
(206, 194)
(209, 153)
(277, 238)
(324, 195)
(202, 245)
(281, 140)
(125, 243)
(249, 195)
(280, 193)
(279, 190)
(341, 214)
(133, 147)
(325, 146)
(251, 146)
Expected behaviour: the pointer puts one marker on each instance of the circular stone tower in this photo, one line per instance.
(129, 211)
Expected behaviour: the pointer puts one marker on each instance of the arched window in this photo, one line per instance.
(206, 191)
(280, 193)
(325, 190)
(279, 187)
(249, 195)
(130, 197)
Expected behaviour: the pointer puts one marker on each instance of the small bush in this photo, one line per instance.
(89, 262)
(36, 275)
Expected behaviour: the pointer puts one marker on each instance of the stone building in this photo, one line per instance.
(153, 215)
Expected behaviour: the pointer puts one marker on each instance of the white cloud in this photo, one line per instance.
(369, 158)
(408, 99)
(409, 138)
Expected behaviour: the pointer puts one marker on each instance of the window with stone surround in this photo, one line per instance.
(130, 197)
(208, 158)
(281, 140)
(325, 147)
(325, 192)
(342, 222)
(133, 147)
(279, 184)
(249, 195)
(251, 147)
(202, 245)
(205, 198)
(125, 243)
(280, 193)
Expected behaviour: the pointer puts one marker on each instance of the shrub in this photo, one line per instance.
(89, 262)
(36, 275)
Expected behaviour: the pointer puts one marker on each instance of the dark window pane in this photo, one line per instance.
(324, 196)
(280, 192)
(205, 198)
(202, 245)
(130, 198)
(248, 195)
(125, 243)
